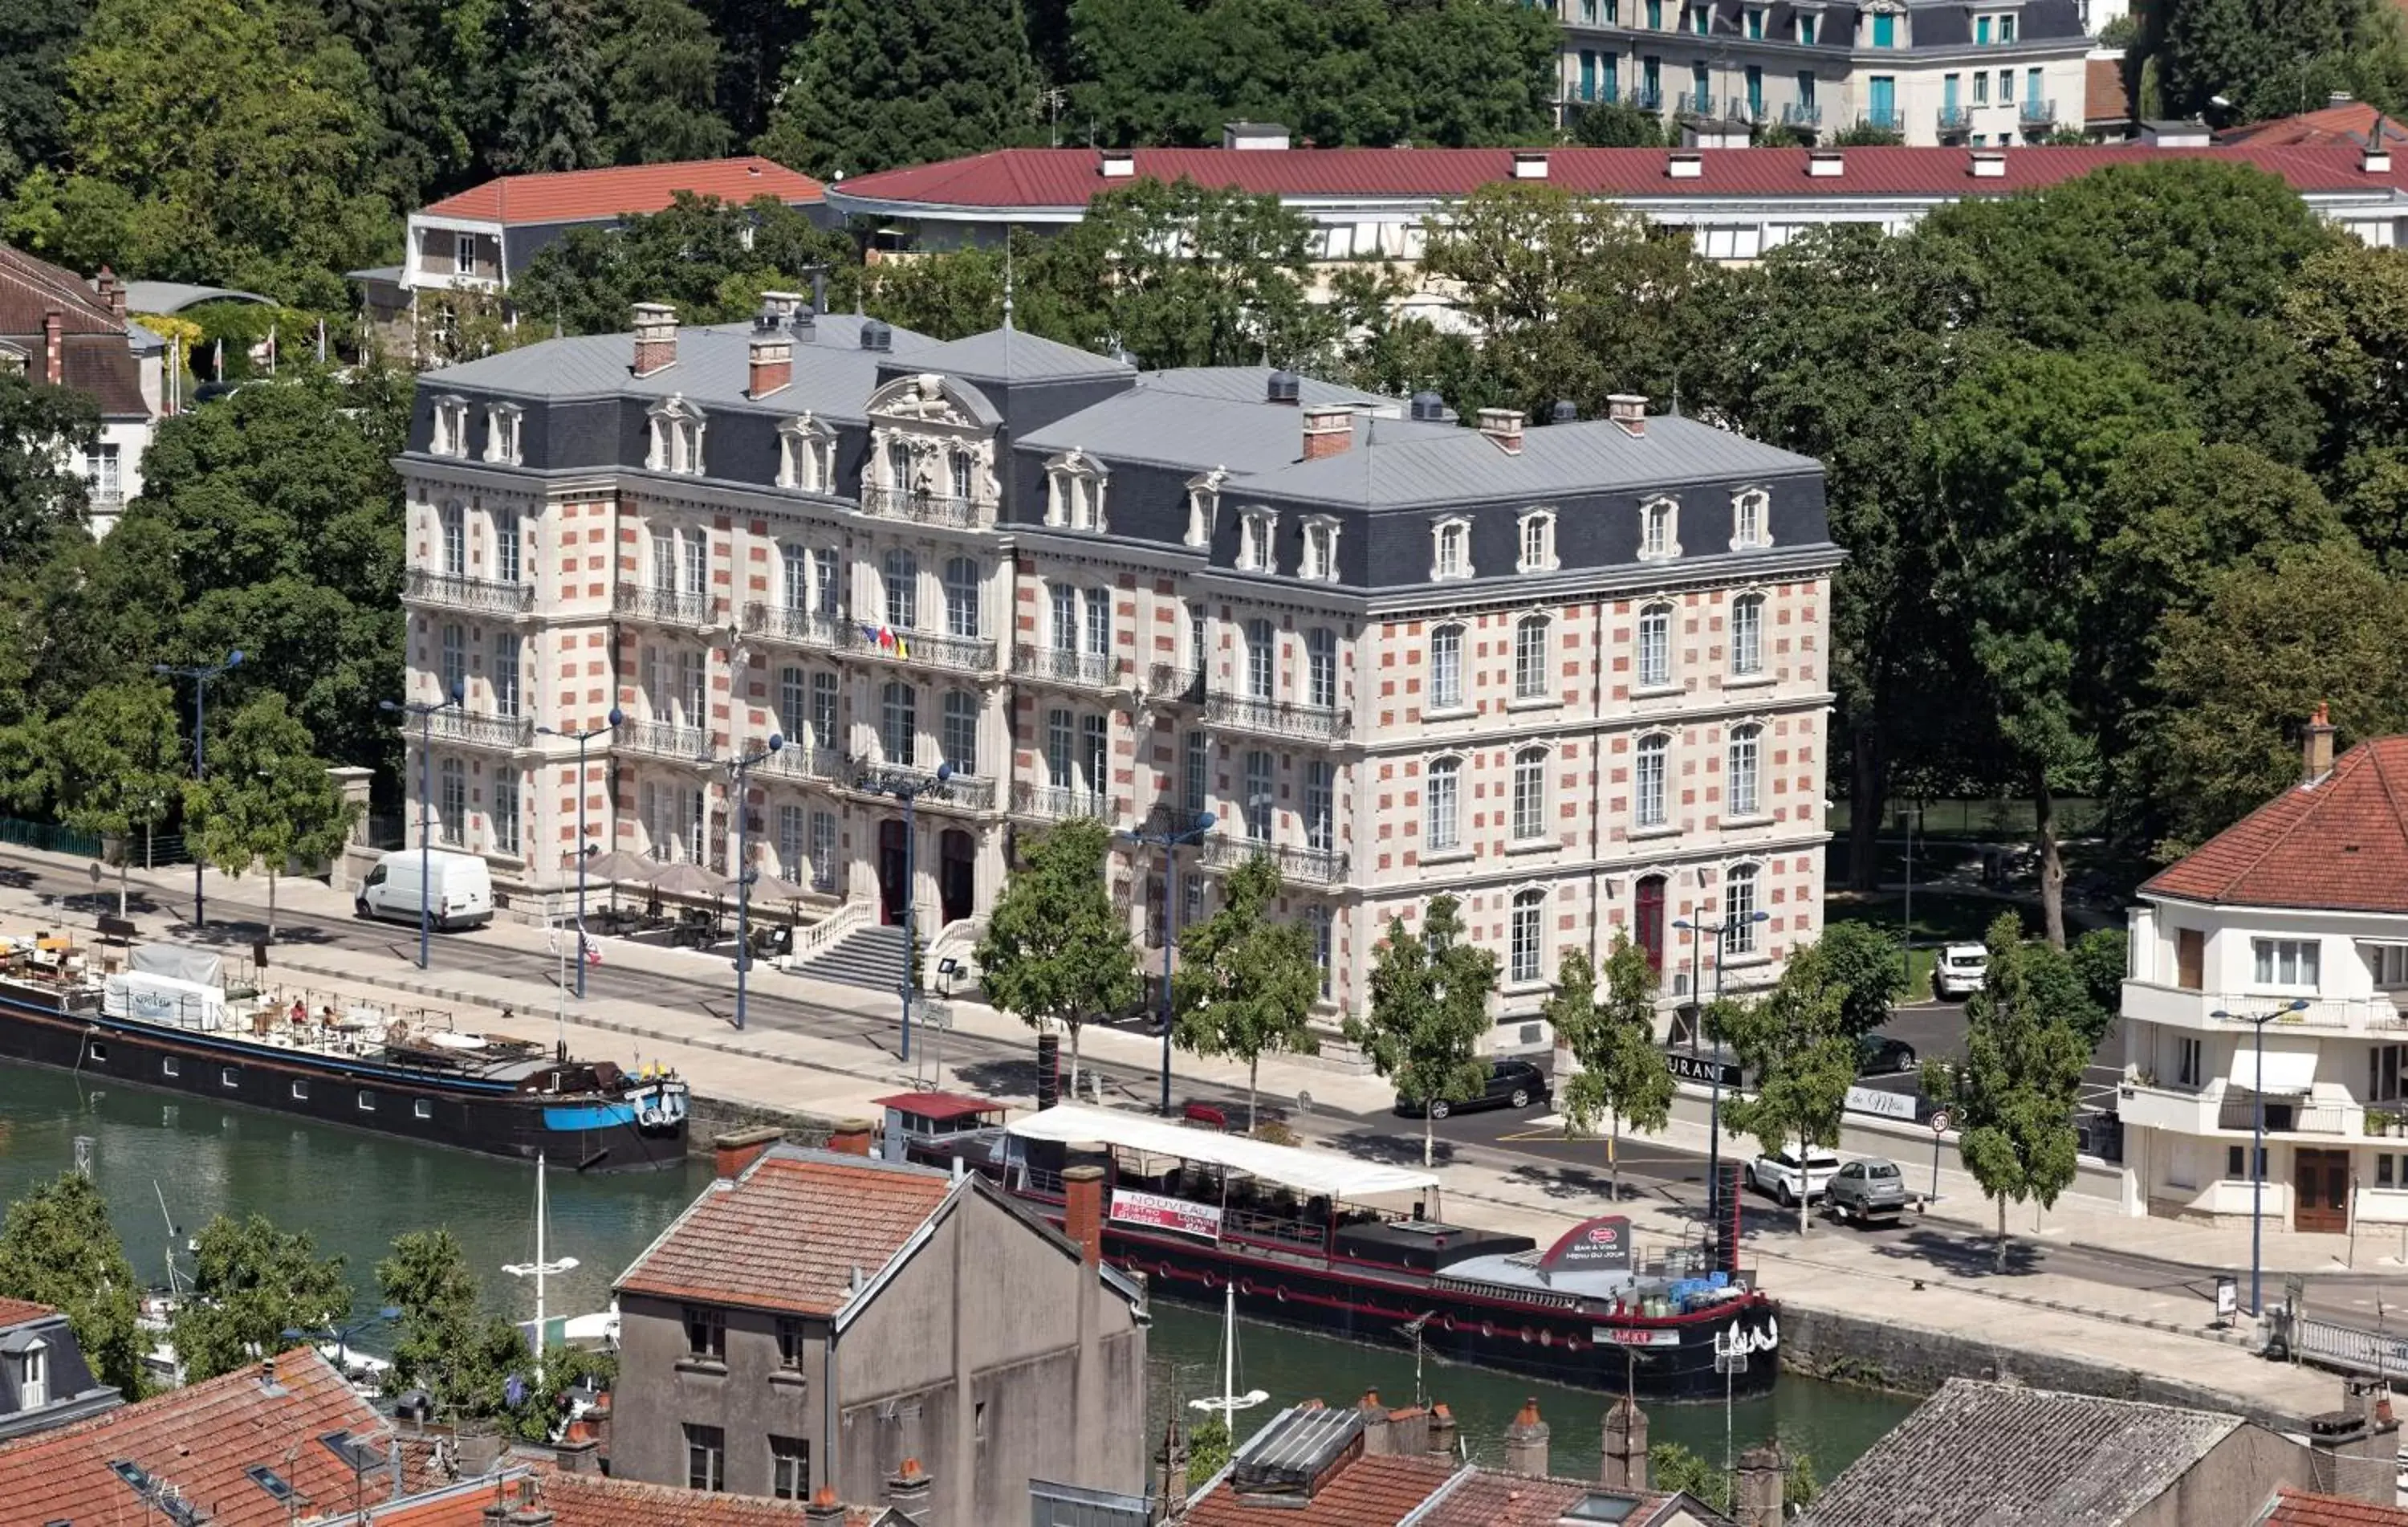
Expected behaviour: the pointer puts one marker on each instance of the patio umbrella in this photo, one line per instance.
(688, 879)
(612, 869)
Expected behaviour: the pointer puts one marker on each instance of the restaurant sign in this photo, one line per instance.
(1155, 1212)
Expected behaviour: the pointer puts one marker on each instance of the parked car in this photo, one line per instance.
(1511, 1084)
(1779, 1174)
(1878, 1055)
(1867, 1191)
(1962, 970)
(459, 892)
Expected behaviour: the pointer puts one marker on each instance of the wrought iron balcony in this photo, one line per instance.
(783, 623)
(1695, 103)
(1883, 119)
(924, 649)
(1595, 92)
(1170, 821)
(923, 508)
(1279, 717)
(486, 594)
(797, 761)
(1297, 865)
(665, 740)
(668, 606)
(1802, 114)
(1167, 684)
(1094, 669)
(875, 776)
(1647, 97)
(1955, 119)
(505, 732)
(1059, 802)
(2036, 113)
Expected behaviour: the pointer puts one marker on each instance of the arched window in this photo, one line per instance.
(1529, 793)
(1446, 668)
(806, 455)
(1537, 542)
(1321, 667)
(1530, 657)
(1655, 646)
(898, 723)
(1443, 805)
(961, 582)
(1747, 636)
(1742, 793)
(902, 590)
(961, 731)
(1739, 915)
(1526, 944)
(898, 465)
(1751, 520)
(1647, 808)
(1659, 528)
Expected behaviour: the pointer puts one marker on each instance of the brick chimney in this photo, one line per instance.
(2315, 746)
(1526, 1442)
(1504, 427)
(825, 1510)
(1378, 1441)
(1441, 1432)
(1760, 1476)
(268, 1384)
(773, 357)
(910, 1489)
(731, 1153)
(110, 291)
(526, 1509)
(54, 365)
(1082, 1211)
(852, 1136)
(655, 338)
(1327, 431)
(1624, 1463)
(1629, 410)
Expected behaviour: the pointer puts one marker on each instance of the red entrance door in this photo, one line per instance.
(1647, 920)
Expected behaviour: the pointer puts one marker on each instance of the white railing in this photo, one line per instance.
(2153, 1002)
(809, 942)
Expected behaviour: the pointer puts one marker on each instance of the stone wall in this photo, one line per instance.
(710, 1116)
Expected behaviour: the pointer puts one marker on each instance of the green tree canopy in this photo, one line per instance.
(659, 67)
(1246, 982)
(2271, 58)
(427, 1277)
(116, 765)
(1797, 1043)
(886, 82)
(1055, 949)
(1622, 1075)
(269, 800)
(1870, 970)
(708, 258)
(553, 122)
(2024, 1057)
(253, 1282)
(58, 1248)
(1429, 1012)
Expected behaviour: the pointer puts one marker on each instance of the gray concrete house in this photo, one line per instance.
(820, 1319)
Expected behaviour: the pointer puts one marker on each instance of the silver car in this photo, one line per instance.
(1867, 1191)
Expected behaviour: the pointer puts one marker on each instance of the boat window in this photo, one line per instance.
(301, 1090)
(170, 1066)
(425, 1109)
(99, 1051)
(229, 1077)
(368, 1102)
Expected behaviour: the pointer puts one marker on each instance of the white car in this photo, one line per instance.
(1779, 1175)
(1962, 970)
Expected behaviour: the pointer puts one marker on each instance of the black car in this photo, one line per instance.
(1878, 1055)
(1511, 1084)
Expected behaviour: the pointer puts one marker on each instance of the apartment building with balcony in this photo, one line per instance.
(1984, 72)
(2300, 911)
(1572, 674)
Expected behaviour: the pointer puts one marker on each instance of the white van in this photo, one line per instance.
(462, 895)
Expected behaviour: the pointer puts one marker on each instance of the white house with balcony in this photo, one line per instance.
(2298, 917)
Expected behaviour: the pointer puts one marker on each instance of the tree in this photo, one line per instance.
(1868, 135)
(2024, 1057)
(2346, 313)
(42, 428)
(1617, 125)
(1672, 1468)
(2271, 58)
(428, 1279)
(1056, 950)
(708, 258)
(36, 36)
(885, 82)
(659, 68)
(1429, 1012)
(1797, 1043)
(1870, 970)
(2100, 959)
(116, 764)
(553, 123)
(251, 1283)
(1620, 1074)
(58, 1248)
(269, 802)
(1246, 985)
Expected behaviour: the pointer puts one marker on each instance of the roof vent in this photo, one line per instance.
(1529, 164)
(1988, 165)
(1825, 162)
(1430, 408)
(1566, 412)
(875, 336)
(1117, 164)
(1254, 134)
(1685, 166)
(1285, 387)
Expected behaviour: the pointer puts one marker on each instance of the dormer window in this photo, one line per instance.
(502, 434)
(451, 427)
(960, 473)
(1537, 542)
(1204, 506)
(1751, 519)
(677, 438)
(32, 1375)
(1659, 528)
(806, 455)
(1320, 549)
(1257, 541)
(1074, 492)
(1451, 549)
(1806, 19)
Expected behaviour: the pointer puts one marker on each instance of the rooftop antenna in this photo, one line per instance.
(1676, 395)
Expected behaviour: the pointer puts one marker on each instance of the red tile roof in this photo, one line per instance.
(790, 1233)
(2349, 122)
(200, 1439)
(1067, 177)
(16, 1312)
(2299, 1509)
(94, 354)
(587, 1500)
(586, 196)
(2339, 845)
(1376, 1492)
(2106, 101)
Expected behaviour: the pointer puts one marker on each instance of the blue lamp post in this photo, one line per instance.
(2258, 1145)
(1168, 842)
(739, 770)
(584, 848)
(1699, 930)
(200, 674)
(424, 710)
(906, 787)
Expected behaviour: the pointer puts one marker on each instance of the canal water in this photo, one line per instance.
(354, 1193)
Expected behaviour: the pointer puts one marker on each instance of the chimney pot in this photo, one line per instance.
(1760, 1484)
(1329, 431)
(2317, 747)
(1504, 427)
(1629, 412)
(851, 1136)
(113, 292)
(1082, 1211)
(772, 364)
(1441, 1432)
(1526, 1442)
(656, 339)
(825, 1510)
(54, 347)
(732, 1153)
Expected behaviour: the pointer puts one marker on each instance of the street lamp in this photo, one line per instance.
(1168, 842)
(1698, 931)
(906, 787)
(2258, 1144)
(424, 710)
(584, 848)
(200, 674)
(739, 767)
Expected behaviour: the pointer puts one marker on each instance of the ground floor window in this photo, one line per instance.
(2236, 1162)
(790, 1468)
(705, 1458)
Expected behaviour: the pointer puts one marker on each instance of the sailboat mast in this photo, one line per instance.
(538, 1271)
(1229, 1355)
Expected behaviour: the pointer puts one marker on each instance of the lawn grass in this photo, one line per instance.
(2001, 821)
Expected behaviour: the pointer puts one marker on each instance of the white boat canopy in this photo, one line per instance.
(1306, 1171)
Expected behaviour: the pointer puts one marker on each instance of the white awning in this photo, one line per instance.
(1306, 1171)
(2288, 1071)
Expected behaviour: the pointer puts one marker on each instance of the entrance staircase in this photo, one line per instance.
(871, 956)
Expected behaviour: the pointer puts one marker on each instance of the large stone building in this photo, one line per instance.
(1575, 674)
(823, 1319)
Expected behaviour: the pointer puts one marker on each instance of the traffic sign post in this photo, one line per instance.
(1939, 1127)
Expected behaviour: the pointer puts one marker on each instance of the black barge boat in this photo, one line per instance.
(488, 1093)
(1201, 1212)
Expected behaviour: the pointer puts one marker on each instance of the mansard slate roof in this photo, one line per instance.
(2339, 845)
(833, 374)
(1008, 354)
